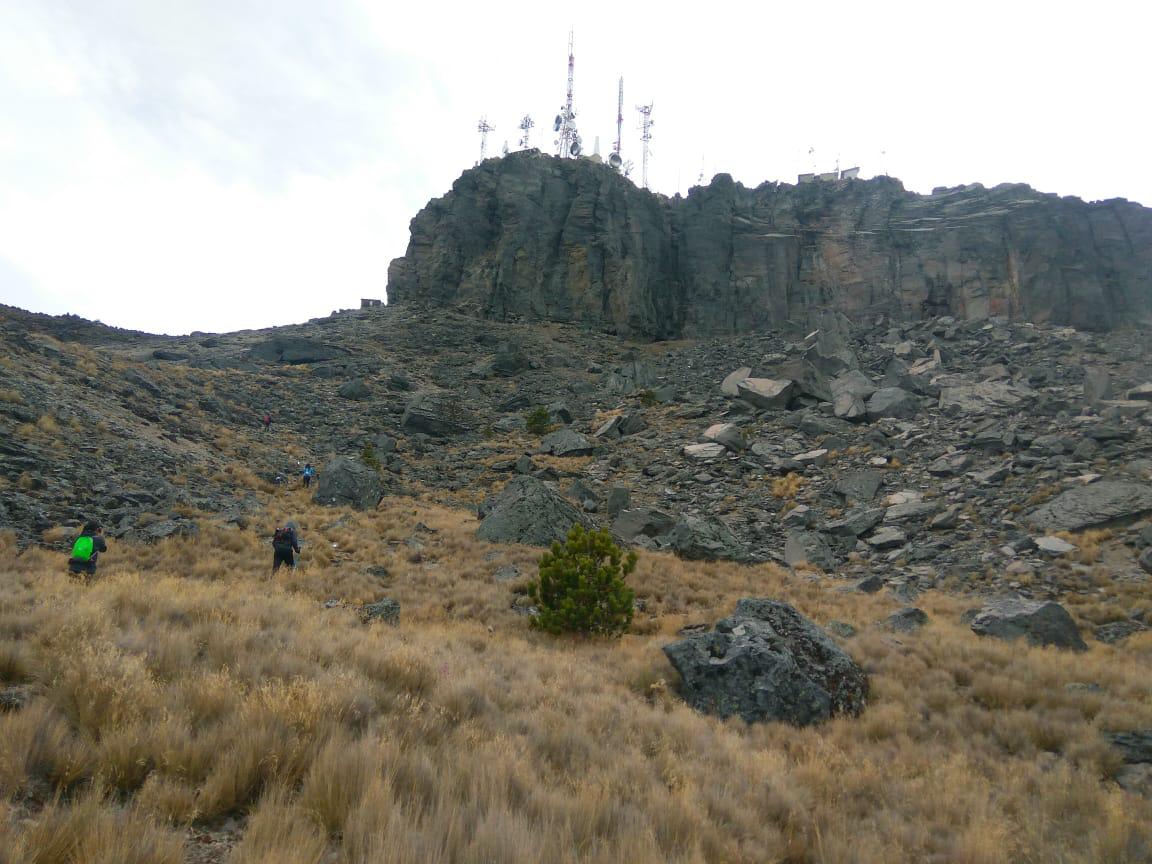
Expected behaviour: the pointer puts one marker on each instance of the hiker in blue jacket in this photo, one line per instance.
(86, 549)
(309, 473)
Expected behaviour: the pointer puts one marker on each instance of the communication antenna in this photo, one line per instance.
(700, 179)
(526, 125)
(484, 128)
(645, 137)
(812, 153)
(615, 159)
(505, 150)
(568, 144)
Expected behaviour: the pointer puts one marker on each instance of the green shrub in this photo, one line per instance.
(581, 586)
(539, 423)
(369, 458)
(647, 398)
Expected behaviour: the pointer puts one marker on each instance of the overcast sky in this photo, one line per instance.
(179, 165)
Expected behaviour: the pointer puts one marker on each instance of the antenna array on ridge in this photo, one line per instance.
(645, 137)
(484, 128)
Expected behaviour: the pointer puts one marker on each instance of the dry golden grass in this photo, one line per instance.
(184, 685)
(788, 486)
(11, 396)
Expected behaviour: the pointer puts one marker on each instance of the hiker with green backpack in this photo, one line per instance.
(86, 549)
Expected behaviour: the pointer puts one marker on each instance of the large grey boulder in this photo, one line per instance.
(699, 539)
(349, 482)
(809, 380)
(642, 522)
(769, 393)
(808, 547)
(356, 390)
(728, 385)
(728, 434)
(1038, 622)
(437, 414)
(528, 511)
(1093, 505)
(566, 442)
(892, 402)
(983, 397)
(767, 662)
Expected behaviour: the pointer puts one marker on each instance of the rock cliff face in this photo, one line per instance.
(532, 236)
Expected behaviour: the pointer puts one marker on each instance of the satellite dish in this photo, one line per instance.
(575, 148)
(556, 123)
(615, 161)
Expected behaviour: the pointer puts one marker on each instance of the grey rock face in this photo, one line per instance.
(1118, 631)
(529, 511)
(437, 414)
(1093, 505)
(347, 481)
(1040, 623)
(570, 240)
(1135, 746)
(767, 662)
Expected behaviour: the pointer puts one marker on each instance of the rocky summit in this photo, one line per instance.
(533, 237)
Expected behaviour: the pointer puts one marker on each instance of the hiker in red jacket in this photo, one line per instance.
(86, 548)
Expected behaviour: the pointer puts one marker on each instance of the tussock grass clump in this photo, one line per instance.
(184, 686)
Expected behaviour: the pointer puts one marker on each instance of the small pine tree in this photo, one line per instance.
(537, 421)
(581, 585)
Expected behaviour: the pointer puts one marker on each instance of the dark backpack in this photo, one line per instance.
(282, 537)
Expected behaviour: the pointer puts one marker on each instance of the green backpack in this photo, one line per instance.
(82, 548)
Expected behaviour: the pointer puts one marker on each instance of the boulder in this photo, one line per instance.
(699, 539)
(566, 442)
(632, 523)
(385, 610)
(767, 393)
(704, 452)
(619, 499)
(892, 402)
(349, 482)
(728, 434)
(767, 662)
(808, 547)
(1038, 622)
(906, 620)
(728, 385)
(510, 360)
(437, 414)
(528, 511)
(984, 397)
(1094, 505)
(1142, 393)
(849, 407)
(622, 425)
(854, 383)
(1097, 385)
(809, 380)
(356, 390)
(858, 487)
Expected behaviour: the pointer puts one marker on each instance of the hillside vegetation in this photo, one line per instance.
(186, 706)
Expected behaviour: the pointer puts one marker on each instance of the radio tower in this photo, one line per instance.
(619, 117)
(484, 128)
(645, 137)
(525, 126)
(568, 142)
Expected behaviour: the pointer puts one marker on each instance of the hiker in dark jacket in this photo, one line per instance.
(284, 543)
(86, 549)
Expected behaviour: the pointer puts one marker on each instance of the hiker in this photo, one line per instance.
(309, 473)
(86, 549)
(284, 543)
(267, 421)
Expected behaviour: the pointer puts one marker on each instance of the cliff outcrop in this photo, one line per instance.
(534, 237)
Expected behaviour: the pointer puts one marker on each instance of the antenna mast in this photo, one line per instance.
(619, 116)
(525, 126)
(484, 128)
(645, 137)
(569, 142)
